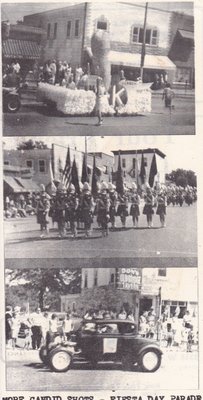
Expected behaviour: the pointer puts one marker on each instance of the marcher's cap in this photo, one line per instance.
(86, 186)
(134, 186)
(17, 309)
(61, 187)
(42, 187)
(71, 188)
(98, 187)
(104, 186)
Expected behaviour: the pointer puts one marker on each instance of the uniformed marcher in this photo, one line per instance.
(134, 209)
(59, 212)
(103, 208)
(161, 209)
(122, 210)
(148, 207)
(42, 211)
(72, 204)
(87, 208)
(113, 195)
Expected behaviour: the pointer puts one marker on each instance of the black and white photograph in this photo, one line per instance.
(98, 68)
(101, 329)
(100, 199)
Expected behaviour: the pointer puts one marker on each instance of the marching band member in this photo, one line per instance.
(87, 207)
(42, 210)
(148, 207)
(72, 204)
(113, 202)
(161, 209)
(122, 211)
(60, 205)
(134, 209)
(103, 208)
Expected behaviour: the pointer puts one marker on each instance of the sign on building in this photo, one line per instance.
(129, 279)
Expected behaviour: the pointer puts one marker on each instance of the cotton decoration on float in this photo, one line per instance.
(138, 98)
(72, 102)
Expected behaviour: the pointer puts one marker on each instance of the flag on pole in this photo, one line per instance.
(51, 187)
(119, 177)
(153, 171)
(74, 177)
(142, 170)
(67, 170)
(85, 175)
(94, 178)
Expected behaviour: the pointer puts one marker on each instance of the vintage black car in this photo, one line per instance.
(104, 340)
(11, 99)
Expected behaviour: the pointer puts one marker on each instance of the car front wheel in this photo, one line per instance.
(13, 104)
(59, 360)
(150, 361)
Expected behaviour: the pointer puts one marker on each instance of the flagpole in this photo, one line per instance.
(143, 43)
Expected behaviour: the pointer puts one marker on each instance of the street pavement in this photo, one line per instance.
(175, 245)
(25, 371)
(36, 119)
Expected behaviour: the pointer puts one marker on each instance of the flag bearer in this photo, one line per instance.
(60, 205)
(122, 211)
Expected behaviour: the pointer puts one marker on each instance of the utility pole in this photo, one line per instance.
(143, 43)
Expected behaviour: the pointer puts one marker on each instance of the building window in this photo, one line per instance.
(29, 163)
(151, 36)
(145, 161)
(95, 277)
(48, 31)
(42, 165)
(162, 272)
(77, 27)
(86, 280)
(55, 30)
(6, 162)
(123, 163)
(68, 35)
(112, 278)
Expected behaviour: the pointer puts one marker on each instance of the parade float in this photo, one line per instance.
(123, 98)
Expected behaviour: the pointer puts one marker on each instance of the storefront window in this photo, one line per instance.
(151, 36)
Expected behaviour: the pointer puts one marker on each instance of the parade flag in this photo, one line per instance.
(119, 177)
(94, 178)
(67, 169)
(85, 175)
(153, 171)
(74, 177)
(142, 170)
(51, 187)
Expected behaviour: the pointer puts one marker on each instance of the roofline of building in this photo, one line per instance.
(143, 151)
(55, 9)
(121, 2)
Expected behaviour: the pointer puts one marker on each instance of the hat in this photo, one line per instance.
(71, 188)
(134, 186)
(61, 187)
(86, 186)
(42, 187)
(104, 186)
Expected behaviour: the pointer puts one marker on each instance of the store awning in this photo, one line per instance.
(20, 49)
(133, 60)
(186, 34)
(28, 185)
(13, 184)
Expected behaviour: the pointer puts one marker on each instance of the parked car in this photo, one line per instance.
(104, 340)
(11, 99)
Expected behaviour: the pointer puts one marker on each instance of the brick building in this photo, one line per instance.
(69, 31)
(131, 163)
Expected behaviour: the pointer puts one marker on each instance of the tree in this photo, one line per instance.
(43, 284)
(182, 177)
(31, 145)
